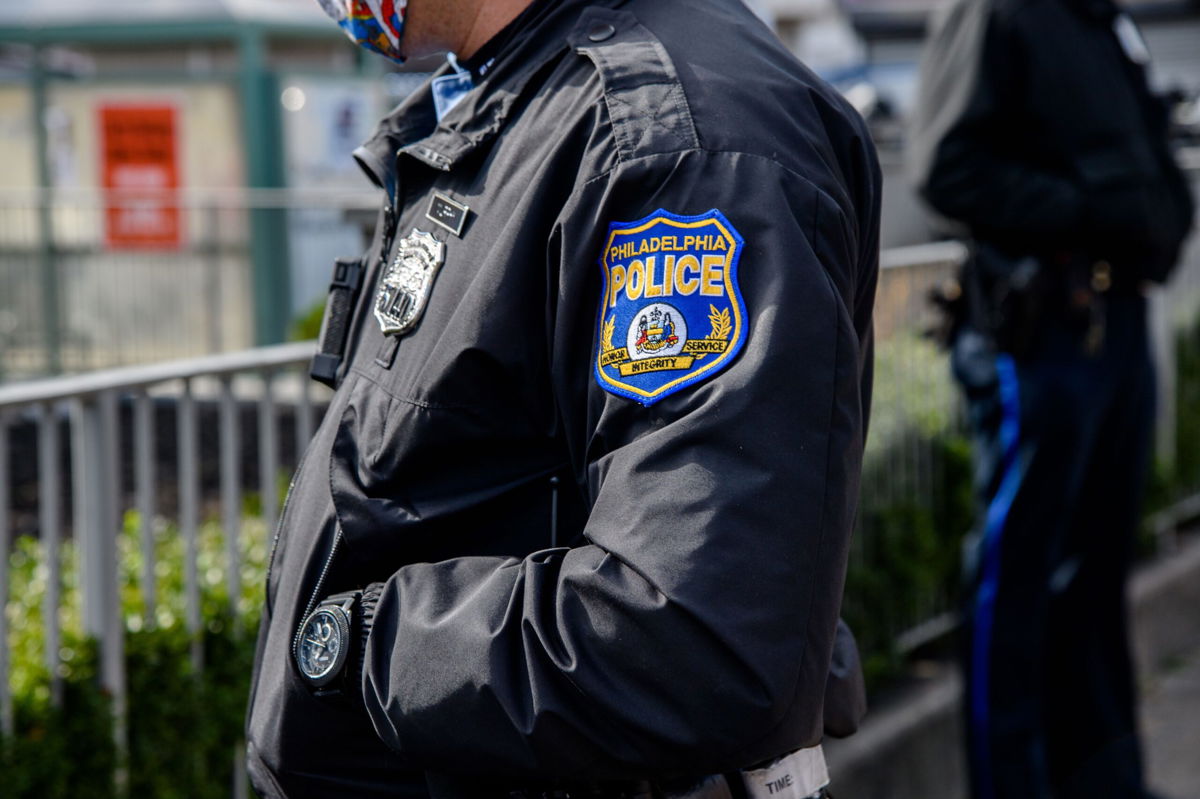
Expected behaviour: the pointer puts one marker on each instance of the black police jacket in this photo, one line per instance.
(581, 581)
(1035, 127)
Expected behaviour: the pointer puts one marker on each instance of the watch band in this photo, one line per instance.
(368, 601)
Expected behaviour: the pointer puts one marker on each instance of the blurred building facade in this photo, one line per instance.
(177, 177)
(158, 159)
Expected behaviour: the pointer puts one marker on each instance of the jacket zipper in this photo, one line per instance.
(554, 481)
(316, 593)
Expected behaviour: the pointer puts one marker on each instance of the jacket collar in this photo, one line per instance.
(412, 128)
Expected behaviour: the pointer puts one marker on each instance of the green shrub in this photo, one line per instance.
(917, 499)
(66, 751)
(1172, 480)
(183, 725)
(916, 504)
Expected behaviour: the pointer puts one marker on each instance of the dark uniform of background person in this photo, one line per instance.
(1036, 130)
(566, 581)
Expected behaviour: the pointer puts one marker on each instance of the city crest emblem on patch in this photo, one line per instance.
(405, 285)
(672, 314)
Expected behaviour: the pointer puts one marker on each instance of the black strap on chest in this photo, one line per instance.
(344, 289)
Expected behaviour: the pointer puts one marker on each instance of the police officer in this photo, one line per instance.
(536, 549)
(1037, 132)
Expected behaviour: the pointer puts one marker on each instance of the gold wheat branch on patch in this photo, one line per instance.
(606, 336)
(721, 325)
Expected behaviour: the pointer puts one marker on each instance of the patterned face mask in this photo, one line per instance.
(377, 25)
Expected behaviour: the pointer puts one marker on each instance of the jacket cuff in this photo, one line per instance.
(366, 608)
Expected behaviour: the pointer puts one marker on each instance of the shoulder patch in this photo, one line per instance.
(672, 313)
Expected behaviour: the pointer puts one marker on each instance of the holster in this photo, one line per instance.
(1006, 296)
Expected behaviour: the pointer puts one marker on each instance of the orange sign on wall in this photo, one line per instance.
(140, 173)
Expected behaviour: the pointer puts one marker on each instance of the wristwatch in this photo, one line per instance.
(330, 645)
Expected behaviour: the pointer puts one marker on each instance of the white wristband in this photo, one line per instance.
(798, 775)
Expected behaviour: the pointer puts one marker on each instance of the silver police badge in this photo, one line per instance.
(404, 288)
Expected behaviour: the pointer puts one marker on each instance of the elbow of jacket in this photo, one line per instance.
(753, 709)
(751, 732)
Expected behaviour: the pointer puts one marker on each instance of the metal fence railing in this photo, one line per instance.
(78, 452)
(82, 491)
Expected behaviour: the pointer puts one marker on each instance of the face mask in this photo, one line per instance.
(377, 25)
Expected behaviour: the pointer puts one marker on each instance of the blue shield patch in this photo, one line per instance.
(672, 313)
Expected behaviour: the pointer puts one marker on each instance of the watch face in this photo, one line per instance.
(324, 639)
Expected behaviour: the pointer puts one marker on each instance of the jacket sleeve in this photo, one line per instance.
(963, 154)
(692, 628)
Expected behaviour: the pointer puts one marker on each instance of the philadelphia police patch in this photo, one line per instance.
(672, 313)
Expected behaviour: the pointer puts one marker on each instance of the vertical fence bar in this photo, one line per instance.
(91, 511)
(239, 772)
(1162, 340)
(231, 495)
(189, 517)
(143, 435)
(50, 529)
(110, 428)
(93, 433)
(1162, 343)
(304, 416)
(231, 502)
(268, 449)
(6, 708)
(231, 450)
(112, 521)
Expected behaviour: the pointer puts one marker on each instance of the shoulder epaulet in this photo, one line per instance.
(646, 102)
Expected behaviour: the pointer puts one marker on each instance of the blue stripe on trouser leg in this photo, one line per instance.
(989, 581)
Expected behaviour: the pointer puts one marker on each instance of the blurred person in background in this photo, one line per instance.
(576, 521)
(1037, 134)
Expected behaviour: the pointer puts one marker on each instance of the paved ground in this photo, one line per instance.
(1171, 723)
